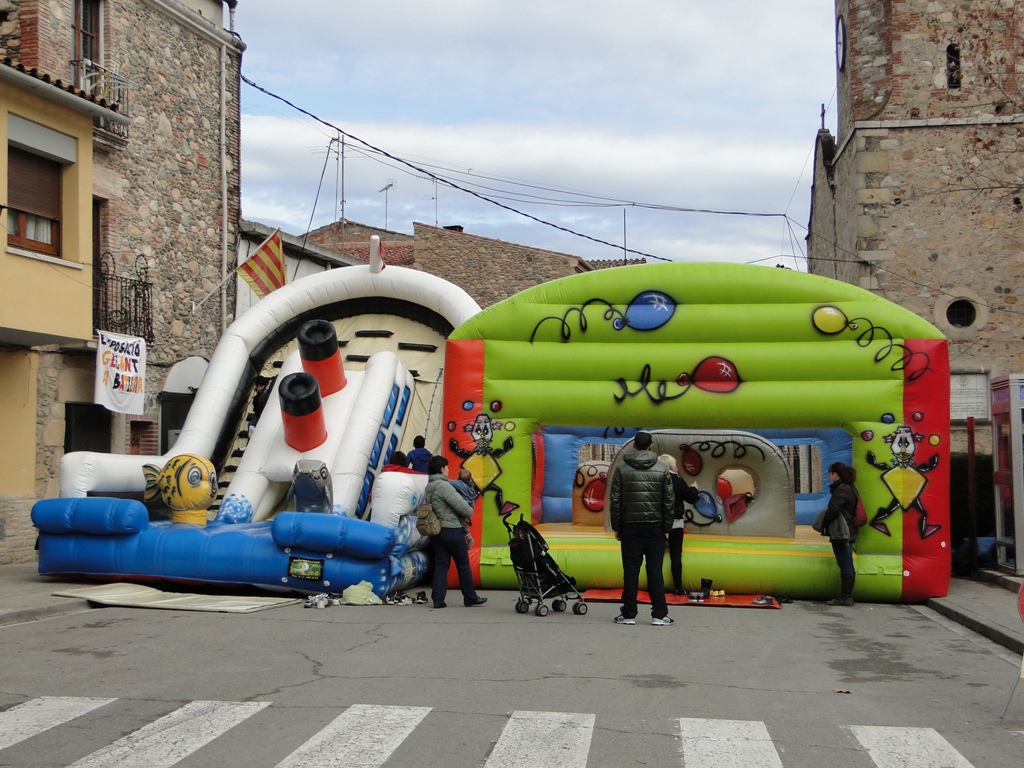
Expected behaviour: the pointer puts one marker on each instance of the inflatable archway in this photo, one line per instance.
(716, 359)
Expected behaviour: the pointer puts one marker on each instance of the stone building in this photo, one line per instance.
(918, 198)
(143, 221)
(488, 270)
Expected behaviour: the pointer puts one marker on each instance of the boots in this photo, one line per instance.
(846, 590)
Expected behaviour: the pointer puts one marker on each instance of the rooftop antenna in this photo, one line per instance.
(625, 258)
(342, 155)
(385, 189)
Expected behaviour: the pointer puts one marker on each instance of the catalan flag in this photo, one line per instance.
(264, 270)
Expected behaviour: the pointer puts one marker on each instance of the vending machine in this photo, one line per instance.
(1008, 470)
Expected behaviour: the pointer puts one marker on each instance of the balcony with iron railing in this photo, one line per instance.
(103, 83)
(123, 304)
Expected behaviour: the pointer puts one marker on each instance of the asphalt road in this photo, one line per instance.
(810, 686)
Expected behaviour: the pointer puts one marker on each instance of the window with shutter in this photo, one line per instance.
(33, 201)
(87, 30)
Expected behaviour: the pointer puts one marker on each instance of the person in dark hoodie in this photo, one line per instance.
(642, 503)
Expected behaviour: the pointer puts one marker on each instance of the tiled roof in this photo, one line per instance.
(609, 263)
(59, 84)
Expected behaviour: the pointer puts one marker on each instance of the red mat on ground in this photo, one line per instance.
(727, 601)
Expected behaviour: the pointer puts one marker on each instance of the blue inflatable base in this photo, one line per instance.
(296, 551)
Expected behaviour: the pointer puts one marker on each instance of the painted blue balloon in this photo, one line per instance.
(888, 418)
(468, 405)
(649, 310)
(705, 506)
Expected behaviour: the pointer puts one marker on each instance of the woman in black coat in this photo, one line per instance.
(842, 506)
(685, 494)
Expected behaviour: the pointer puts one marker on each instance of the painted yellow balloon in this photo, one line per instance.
(829, 319)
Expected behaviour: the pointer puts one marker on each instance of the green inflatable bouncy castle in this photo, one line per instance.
(755, 379)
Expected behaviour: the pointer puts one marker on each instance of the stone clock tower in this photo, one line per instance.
(919, 196)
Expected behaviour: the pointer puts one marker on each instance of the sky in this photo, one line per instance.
(678, 130)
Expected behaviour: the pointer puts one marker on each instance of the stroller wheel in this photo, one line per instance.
(541, 610)
(522, 606)
(559, 605)
(579, 609)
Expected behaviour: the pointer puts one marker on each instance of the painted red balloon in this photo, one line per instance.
(715, 374)
(724, 488)
(691, 461)
(593, 494)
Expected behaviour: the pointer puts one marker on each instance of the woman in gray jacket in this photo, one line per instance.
(450, 544)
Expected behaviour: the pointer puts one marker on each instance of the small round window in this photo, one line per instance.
(961, 313)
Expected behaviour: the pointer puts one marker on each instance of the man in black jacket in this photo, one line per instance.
(642, 504)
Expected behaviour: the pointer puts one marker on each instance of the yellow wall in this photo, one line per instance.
(18, 406)
(51, 297)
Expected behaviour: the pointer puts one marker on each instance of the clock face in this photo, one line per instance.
(841, 43)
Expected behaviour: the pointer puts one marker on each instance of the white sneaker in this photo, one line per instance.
(664, 622)
(620, 619)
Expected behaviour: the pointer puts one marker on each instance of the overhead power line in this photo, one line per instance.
(842, 255)
(607, 202)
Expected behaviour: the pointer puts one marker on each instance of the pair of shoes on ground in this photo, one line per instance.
(317, 601)
(665, 621)
(421, 598)
(400, 599)
(763, 600)
(475, 601)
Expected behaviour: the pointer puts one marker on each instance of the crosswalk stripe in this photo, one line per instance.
(907, 747)
(363, 736)
(33, 717)
(726, 743)
(173, 737)
(551, 739)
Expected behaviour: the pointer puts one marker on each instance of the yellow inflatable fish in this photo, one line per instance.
(187, 482)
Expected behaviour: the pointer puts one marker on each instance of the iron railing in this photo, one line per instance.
(103, 83)
(123, 304)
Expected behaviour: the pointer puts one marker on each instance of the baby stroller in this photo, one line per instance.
(538, 574)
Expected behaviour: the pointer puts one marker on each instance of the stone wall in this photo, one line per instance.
(867, 61)
(159, 198)
(17, 534)
(488, 270)
(163, 190)
(10, 29)
(897, 59)
(926, 203)
(38, 35)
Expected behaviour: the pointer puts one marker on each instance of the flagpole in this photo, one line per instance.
(203, 300)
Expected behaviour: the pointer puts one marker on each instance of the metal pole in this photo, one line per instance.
(972, 507)
(1014, 688)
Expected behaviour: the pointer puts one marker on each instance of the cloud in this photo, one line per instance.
(565, 111)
